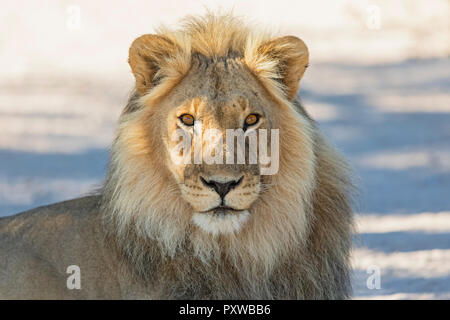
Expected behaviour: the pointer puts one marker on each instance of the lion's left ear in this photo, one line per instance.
(147, 55)
(291, 55)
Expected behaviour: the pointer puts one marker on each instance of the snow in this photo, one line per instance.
(381, 96)
(396, 133)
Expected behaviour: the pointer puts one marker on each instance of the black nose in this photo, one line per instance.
(222, 188)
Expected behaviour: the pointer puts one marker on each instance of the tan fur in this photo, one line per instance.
(140, 232)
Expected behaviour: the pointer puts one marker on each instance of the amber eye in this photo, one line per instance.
(187, 119)
(251, 120)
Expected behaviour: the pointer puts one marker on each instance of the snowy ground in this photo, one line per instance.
(388, 111)
(393, 123)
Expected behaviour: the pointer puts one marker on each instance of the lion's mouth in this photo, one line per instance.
(222, 210)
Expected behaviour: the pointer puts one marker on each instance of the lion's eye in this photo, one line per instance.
(187, 119)
(251, 120)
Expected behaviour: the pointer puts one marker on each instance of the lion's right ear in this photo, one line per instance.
(146, 55)
(291, 56)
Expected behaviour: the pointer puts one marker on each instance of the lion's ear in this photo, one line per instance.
(146, 55)
(291, 55)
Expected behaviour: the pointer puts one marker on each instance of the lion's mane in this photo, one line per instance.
(298, 243)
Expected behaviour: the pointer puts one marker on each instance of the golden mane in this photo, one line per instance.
(301, 242)
(216, 36)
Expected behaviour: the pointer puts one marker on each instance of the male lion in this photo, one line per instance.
(162, 229)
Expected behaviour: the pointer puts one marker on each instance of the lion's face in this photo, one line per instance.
(227, 100)
(193, 90)
(230, 229)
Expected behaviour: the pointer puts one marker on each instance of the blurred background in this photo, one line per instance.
(378, 84)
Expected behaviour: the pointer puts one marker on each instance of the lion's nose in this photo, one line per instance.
(222, 188)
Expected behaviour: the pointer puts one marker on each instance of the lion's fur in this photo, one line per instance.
(296, 243)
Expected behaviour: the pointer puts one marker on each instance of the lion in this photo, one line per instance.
(161, 229)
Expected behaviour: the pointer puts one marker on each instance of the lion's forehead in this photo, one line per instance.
(221, 87)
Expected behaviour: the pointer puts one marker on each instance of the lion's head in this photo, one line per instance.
(215, 75)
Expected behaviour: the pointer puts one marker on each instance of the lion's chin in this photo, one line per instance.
(221, 221)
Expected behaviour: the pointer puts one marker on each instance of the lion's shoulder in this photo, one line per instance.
(39, 245)
(52, 223)
(56, 216)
